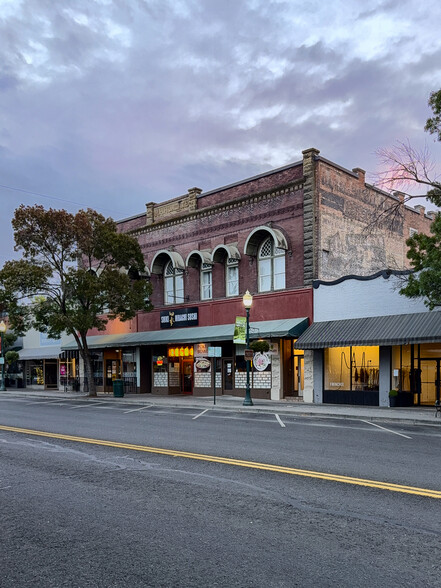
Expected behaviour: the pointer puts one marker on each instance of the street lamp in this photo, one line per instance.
(247, 302)
(2, 333)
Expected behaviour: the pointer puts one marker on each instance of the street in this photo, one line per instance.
(104, 493)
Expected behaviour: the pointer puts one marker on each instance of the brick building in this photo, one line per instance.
(272, 234)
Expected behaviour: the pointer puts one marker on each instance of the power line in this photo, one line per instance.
(55, 198)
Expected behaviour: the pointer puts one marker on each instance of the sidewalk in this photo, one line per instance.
(411, 415)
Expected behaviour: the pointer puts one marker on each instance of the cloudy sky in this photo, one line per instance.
(112, 104)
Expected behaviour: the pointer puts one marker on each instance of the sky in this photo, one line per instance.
(113, 104)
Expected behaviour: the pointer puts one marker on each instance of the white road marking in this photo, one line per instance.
(384, 429)
(282, 424)
(90, 405)
(58, 401)
(136, 409)
(200, 414)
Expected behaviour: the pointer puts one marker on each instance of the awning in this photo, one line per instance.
(51, 352)
(262, 329)
(402, 329)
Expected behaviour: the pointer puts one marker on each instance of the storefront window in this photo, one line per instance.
(352, 368)
(338, 368)
(35, 373)
(401, 368)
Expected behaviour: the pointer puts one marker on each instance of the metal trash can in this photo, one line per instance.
(118, 388)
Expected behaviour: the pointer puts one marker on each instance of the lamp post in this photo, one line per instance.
(2, 333)
(247, 302)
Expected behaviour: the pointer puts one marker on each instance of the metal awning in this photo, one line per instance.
(402, 329)
(51, 352)
(261, 329)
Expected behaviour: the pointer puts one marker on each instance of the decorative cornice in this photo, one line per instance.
(222, 207)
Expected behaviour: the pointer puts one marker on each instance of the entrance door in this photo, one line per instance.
(298, 375)
(227, 369)
(51, 373)
(187, 376)
(430, 381)
(113, 372)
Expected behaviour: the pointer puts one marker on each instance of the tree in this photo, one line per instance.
(76, 273)
(404, 166)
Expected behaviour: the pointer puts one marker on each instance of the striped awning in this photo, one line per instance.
(402, 329)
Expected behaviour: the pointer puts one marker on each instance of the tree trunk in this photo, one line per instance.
(85, 354)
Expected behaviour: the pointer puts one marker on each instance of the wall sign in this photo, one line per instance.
(182, 317)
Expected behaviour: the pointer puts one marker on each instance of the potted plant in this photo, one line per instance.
(260, 346)
(393, 398)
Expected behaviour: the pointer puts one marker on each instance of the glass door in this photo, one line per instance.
(187, 376)
(430, 381)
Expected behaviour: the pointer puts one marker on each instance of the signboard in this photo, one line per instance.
(240, 330)
(201, 350)
(248, 354)
(215, 352)
(45, 340)
(62, 369)
(2, 360)
(182, 317)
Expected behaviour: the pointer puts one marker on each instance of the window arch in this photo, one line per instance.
(173, 284)
(271, 266)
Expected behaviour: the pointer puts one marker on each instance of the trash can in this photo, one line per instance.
(118, 388)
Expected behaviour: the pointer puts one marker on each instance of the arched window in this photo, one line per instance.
(206, 281)
(232, 277)
(271, 267)
(173, 285)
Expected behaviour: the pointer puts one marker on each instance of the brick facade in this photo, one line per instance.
(325, 218)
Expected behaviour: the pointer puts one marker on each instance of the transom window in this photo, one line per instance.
(271, 267)
(173, 285)
(232, 277)
(206, 281)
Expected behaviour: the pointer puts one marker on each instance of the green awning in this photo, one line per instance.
(261, 329)
(399, 329)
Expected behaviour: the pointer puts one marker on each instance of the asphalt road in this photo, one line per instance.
(74, 513)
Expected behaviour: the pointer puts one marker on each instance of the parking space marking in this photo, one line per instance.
(137, 409)
(57, 401)
(281, 423)
(384, 429)
(200, 414)
(90, 405)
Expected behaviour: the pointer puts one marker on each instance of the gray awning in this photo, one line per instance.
(40, 352)
(262, 329)
(424, 327)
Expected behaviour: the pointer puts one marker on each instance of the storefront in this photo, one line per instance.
(358, 361)
(40, 368)
(194, 360)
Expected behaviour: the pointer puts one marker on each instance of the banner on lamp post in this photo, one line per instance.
(240, 331)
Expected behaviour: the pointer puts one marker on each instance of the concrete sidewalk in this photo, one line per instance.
(410, 415)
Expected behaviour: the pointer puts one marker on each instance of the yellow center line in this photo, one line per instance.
(235, 462)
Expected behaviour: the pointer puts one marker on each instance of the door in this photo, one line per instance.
(227, 369)
(430, 381)
(51, 373)
(298, 375)
(113, 372)
(187, 376)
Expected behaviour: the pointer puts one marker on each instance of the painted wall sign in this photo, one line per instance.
(182, 317)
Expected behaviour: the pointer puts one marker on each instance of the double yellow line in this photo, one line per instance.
(235, 462)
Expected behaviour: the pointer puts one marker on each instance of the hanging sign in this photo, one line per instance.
(182, 317)
(215, 352)
(240, 330)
